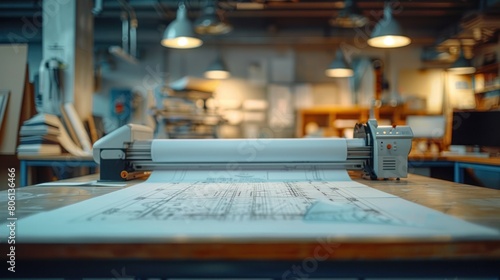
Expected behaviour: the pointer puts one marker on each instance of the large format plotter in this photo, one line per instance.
(259, 208)
(381, 151)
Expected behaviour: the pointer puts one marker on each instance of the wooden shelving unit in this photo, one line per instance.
(326, 118)
(488, 68)
(487, 87)
(181, 117)
(335, 120)
(396, 115)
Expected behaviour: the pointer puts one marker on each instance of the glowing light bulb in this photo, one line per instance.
(182, 41)
(389, 41)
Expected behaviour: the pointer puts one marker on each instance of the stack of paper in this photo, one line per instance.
(45, 134)
(39, 136)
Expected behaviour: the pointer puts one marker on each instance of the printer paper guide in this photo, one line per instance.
(201, 206)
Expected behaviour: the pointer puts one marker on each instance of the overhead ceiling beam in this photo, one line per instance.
(326, 13)
(429, 4)
(305, 5)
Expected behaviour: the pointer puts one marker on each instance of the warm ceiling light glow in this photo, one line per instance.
(462, 66)
(182, 43)
(339, 67)
(387, 32)
(339, 73)
(217, 74)
(179, 33)
(462, 70)
(390, 41)
(217, 70)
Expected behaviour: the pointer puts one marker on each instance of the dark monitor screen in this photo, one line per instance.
(476, 128)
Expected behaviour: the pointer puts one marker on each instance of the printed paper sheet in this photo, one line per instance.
(180, 205)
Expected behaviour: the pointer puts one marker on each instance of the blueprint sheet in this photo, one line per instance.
(181, 205)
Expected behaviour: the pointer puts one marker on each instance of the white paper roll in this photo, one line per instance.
(249, 150)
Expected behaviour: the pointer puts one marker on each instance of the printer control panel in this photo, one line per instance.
(391, 139)
(391, 146)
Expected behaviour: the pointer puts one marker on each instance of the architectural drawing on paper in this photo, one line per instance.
(251, 201)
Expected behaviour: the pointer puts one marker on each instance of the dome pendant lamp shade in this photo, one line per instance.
(339, 67)
(179, 34)
(462, 65)
(387, 32)
(217, 70)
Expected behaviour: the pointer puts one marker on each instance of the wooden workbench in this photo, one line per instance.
(458, 164)
(455, 158)
(260, 258)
